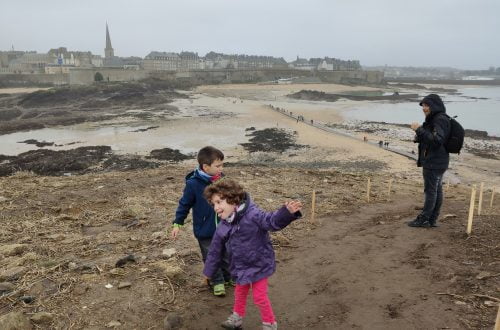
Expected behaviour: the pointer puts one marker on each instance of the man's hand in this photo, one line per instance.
(414, 126)
(175, 232)
(293, 206)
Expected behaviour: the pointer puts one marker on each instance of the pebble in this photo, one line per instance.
(42, 317)
(172, 321)
(169, 253)
(123, 285)
(113, 324)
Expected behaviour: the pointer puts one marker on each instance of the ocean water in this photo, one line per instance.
(472, 111)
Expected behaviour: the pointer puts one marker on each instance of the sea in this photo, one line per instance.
(476, 108)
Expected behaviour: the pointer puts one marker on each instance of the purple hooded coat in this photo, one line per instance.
(251, 254)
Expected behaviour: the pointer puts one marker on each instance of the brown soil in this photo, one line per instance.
(359, 266)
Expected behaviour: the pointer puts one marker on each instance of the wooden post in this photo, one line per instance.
(368, 186)
(313, 207)
(492, 195)
(447, 185)
(389, 190)
(480, 204)
(471, 210)
(497, 323)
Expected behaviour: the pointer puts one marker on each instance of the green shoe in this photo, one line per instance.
(219, 290)
(230, 283)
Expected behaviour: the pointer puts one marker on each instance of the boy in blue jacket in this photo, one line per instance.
(205, 219)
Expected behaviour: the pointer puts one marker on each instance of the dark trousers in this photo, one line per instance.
(222, 275)
(433, 192)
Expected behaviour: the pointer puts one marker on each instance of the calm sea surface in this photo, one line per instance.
(480, 114)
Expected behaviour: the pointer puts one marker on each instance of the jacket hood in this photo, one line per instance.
(196, 174)
(435, 103)
(242, 208)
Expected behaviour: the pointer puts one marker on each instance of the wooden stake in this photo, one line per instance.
(368, 186)
(492, 195)
(313, 207)
(497, 323)
(389, 190)
(447, 185)
(480, 205)
(471, 210)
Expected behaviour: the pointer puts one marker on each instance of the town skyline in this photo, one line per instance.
(455, 34)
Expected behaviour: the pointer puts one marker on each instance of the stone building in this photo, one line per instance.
(162, 61)
(325, 64)
(31, 62)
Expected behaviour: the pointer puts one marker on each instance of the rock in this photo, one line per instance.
(27, 299)
(158, 235)
(122, 261)
(113, 324)
(13, 249)
(168, 267)
(123, 285)
(168, 253)
(483, 275)
(117, 271)
(6, 287)
(14, 321)
(66, 217)
(448, 216)
(42, 317)
(172, 321)
(13, 273)
(458, 302)
(3, 199)
(108, 286)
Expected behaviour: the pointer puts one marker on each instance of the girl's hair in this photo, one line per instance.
(227, 189)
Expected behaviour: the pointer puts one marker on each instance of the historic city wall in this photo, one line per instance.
(85, 76)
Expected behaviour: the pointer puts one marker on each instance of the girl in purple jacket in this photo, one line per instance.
(244, 232)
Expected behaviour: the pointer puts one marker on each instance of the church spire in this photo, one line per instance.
(108, 51)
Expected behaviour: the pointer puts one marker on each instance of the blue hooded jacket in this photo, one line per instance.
(246, 238)
(204, 217)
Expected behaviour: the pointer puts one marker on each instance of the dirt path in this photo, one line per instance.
(365, 270)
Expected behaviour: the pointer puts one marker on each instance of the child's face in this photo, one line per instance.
(213, 169)
(221, 207)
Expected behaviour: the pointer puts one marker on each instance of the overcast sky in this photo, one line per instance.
(456, 33)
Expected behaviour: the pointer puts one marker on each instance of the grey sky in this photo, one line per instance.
(457, 33)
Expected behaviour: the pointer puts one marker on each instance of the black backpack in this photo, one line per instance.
(455, 141)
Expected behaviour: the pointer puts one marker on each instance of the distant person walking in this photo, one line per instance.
(433, 157)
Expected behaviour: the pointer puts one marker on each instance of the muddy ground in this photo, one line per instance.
(66, 106)
(358, 267)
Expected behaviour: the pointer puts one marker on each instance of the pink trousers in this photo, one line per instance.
(260, 299)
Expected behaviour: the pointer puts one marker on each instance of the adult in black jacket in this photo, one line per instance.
(431, 137)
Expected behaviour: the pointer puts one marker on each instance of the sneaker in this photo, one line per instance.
(419, 222)
(269, 326)
(219, 290)
(433, 222)
(234, 321)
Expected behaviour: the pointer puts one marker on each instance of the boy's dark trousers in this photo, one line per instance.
(222, 275)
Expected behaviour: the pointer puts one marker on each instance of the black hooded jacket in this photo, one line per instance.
(432, 135)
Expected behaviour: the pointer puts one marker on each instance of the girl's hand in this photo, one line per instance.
(293, 206)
